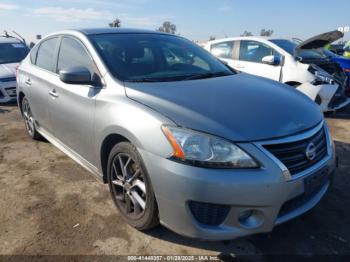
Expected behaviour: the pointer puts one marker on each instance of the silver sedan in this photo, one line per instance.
(180, 138)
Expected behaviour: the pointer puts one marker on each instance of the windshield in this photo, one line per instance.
(286, 45)
(12, 52)
(304, 54)
(156, 58)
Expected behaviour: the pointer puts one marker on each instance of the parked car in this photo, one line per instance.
(180, 138)
(300, 66)
(344, 62)
(337, 49)
(347, 50)
(12, 51)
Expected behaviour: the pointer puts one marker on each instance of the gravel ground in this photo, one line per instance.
(49, 205)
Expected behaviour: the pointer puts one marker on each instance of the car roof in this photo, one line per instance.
(258, 38)
(10, 40)
(111, 30)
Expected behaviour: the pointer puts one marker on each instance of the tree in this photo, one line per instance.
(115, 23)
(168, 27)
(264, 32)
(246, 33)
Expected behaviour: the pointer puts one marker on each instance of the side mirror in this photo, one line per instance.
(76, 75)
(271, 60)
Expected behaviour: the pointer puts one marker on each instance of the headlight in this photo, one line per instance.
(321, 75)
(324, 77)
(204, 150)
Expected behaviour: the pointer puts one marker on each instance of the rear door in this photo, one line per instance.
(36, 80)
(72, 106)
(250, 57)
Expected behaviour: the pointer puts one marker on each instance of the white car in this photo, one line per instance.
(302, 66)
(12, 51)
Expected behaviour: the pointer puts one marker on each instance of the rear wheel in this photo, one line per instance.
(131, 187)
(29, 120)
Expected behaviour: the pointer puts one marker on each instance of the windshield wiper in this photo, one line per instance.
(142, 80)
(206, 75)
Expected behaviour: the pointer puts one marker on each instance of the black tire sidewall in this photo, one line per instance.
(149, 218)
(35, 135)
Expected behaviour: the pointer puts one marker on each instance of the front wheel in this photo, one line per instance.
(131, 187)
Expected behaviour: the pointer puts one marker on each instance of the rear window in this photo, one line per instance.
(45, 57)
(12, 52)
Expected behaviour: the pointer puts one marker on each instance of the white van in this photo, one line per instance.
(304, 66)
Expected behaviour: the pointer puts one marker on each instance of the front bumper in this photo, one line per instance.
(260, 192)
(328, 97)
(8, 92)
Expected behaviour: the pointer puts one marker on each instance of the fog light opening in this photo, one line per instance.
(250, 218)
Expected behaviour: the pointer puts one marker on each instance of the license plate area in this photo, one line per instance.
(313, 183)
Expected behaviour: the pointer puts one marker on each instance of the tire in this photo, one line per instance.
(131, 187)
(29, 120)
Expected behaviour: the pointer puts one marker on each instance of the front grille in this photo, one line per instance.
(293, 154)
(8, 79)
(11, 91)
(209, 214)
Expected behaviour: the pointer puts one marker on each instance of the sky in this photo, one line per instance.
(195, 19)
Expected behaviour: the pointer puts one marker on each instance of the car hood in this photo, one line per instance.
(321, 40)
(240, 107)
(8, 70)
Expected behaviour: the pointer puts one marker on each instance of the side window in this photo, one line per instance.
(72, 53)
(46, 52)
(253, 51)
(222, 50)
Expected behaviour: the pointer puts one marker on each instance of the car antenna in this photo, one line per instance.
(20, 37)
(6, 34)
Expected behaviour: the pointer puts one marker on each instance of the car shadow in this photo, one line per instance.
(343, 113)
(322, 231)
(4, 107)
(4, 110)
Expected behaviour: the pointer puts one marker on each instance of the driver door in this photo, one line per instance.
(250, 58)
(72, 106)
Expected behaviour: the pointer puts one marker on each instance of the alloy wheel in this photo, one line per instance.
(128, 185)
(28, 117)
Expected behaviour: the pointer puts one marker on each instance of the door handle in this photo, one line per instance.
(28, 82)
(53, 93)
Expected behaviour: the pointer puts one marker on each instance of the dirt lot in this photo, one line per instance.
(50, 205)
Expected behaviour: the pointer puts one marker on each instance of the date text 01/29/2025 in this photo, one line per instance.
(173, 258)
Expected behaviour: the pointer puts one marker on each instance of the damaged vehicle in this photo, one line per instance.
(12, 52)
(344, 62)
(180, 138)
(302, 66)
